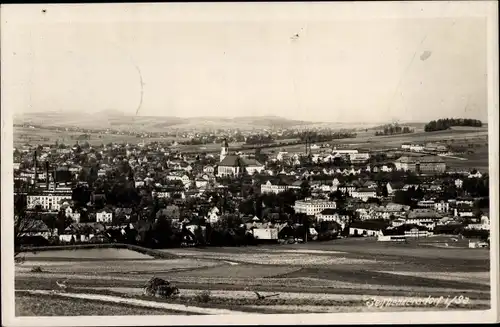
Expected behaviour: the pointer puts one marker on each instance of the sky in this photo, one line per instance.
(356, 69)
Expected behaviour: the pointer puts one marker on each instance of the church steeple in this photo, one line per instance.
(224, 150)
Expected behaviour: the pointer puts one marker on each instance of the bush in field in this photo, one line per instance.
(19, 259)
(36, 269)
(160, 288)
(203, 296)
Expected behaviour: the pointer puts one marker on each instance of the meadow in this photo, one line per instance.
(335, 276)
(24, 135)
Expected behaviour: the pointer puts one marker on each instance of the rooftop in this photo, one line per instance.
(423, 159)
(237, 161)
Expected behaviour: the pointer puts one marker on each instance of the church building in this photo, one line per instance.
(234, 165)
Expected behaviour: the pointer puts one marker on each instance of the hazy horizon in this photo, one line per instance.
(342, 70)
(117, 112)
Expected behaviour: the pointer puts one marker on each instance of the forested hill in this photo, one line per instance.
(443, 124)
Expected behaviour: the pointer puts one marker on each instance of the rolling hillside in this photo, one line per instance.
(117, 120)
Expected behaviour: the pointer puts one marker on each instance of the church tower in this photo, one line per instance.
(224, 150)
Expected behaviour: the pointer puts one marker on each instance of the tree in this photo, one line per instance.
(402, 197)
(305, 189)
(23, 223)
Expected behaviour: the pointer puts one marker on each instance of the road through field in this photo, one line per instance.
(137, 302)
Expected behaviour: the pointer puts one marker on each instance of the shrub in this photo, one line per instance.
(203, 296)
(160, 288)
(36, 269)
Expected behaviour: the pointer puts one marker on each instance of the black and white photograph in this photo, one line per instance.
(249, 163)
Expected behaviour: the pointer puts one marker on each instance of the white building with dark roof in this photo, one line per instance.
(277, 187)
(424, 164)
(234, 165)
(313, 207)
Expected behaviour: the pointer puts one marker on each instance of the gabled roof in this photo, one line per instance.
(370, 190)
(37, 226)
(423, 213)
(232, 161)
(329, 211)
(423, 159)
(237, 161)
(369, 225)
(369, 183)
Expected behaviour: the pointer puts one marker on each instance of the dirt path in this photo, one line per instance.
(286, 295)
(141, 303)
(472, 277)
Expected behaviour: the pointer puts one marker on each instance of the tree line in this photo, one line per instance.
(394, 130)
(259, 139)
(444, 124)
(324, 137)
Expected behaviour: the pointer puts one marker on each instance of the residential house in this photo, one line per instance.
(38, 228)
(123, 213)
(346, 188)
(442, 206)
(363, 214)
(391, 211)
(81, 232)
(365, 228)
(435, 147)
(209, 169)
(385, 168)
(364, 193)
(416, 148)
(340, 217)
(73, 215)
(426, 204)
(483, 225)
(277, 187)
(213, 215)
(357, 158)
(201, 183)
(104, 216)
(463, 212)
(393, 187)
(423, 217)
(173, 212)
(370, 185)
(282, 156)
(475, 174)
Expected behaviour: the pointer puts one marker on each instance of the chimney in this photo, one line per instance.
(36, 172)
(55, 178)
(47, 175)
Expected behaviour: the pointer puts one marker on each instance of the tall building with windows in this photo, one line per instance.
(421, 165)
(312, 207)
(49, 200)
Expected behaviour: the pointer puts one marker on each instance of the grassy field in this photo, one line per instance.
(39, 305)
(339, 275)
(23, 135)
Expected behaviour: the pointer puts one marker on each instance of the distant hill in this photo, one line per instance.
(117, 120)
